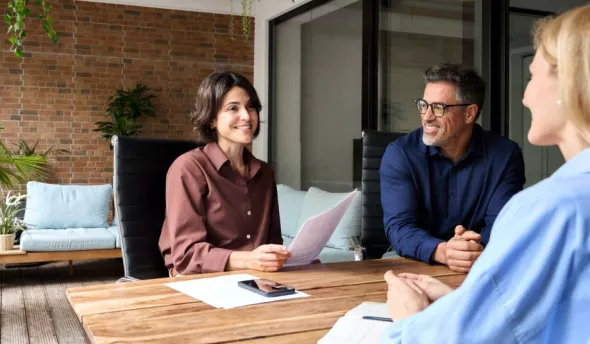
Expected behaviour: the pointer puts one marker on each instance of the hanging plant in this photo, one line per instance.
(18, 11)
(245, 16)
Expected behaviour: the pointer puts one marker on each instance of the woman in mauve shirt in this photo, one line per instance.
(221, 202)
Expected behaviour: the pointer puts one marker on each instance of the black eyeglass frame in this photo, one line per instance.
(444, 106)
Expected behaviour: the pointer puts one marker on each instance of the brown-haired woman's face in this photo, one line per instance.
(237, 119)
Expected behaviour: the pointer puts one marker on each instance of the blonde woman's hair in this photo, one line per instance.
(564, 41)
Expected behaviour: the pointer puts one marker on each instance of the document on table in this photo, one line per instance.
(315, 233)
(224, 292)
(353, 329)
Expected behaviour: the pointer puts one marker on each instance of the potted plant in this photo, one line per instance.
(15, 168)
(10, 223)
(24, 149)
(124, 108)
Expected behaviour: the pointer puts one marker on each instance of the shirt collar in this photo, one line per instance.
(219, 159)
(579, 164)
(475, 143)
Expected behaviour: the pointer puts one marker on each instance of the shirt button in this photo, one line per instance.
(249, 212)
(248, 236)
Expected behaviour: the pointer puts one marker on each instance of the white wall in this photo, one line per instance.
(265, 11)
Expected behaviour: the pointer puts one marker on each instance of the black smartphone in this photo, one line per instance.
(266, 287)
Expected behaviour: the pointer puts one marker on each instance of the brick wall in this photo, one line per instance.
(57, 92)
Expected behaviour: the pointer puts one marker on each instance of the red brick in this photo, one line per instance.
(57, 93)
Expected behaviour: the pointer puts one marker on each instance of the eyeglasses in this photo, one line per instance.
(438, 109)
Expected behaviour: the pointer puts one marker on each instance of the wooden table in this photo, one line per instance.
(149, 312)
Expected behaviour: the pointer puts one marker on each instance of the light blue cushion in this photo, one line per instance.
(70, 239)
(317, 201)
(114, 230)
(290, 202)
(51, 206)
(328, 254)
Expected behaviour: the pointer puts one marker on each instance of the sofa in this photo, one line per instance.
(68, 218)
(65, 223)
(296, 206)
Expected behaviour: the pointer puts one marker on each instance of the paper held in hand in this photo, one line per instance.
(315, 233)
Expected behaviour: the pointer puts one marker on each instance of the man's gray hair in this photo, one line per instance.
(471, 88)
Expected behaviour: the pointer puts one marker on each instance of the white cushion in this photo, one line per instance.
(69, 239)
(290, 202)
(52, 206)
(317, 201)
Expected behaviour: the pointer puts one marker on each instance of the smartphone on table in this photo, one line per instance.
(266, 287)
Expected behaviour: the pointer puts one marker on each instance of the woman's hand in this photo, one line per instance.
(433, 288)
(269, 257)
(404, 298)
(264, 258)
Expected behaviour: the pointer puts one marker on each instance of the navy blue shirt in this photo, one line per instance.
(425, 195)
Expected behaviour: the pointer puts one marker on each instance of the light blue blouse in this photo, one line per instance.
(532, 282)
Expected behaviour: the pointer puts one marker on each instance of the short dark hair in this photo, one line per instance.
(471, 88)
(210, 100)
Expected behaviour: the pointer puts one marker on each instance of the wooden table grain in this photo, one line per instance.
(149, 312)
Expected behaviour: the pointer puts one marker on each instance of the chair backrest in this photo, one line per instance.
(372, 231)
(139, 184)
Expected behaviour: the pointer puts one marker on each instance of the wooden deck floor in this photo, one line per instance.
(34, 308)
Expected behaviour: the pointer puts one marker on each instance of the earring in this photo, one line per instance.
(559, 102)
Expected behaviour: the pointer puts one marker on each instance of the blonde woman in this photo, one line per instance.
(532, 283)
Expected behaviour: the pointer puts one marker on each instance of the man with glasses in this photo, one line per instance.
(443, 185)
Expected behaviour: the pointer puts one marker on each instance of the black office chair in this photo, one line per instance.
(140, 168)
(373, 237)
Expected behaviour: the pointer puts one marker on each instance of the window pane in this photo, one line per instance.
(540, 162)
(415, 35)
(317, 111)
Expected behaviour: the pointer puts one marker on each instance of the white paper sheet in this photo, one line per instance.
(368, 308)
(353, 329)
(224, 292)
(315, 233)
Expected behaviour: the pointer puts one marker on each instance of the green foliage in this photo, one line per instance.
(245, 17)
(132, 103)
(9, 210)
(23, 149)
(18, 11)
(119, 125)
(124, 108)
(18, 168)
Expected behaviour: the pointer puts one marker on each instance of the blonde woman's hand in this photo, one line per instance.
(404, 298)
(433, 288)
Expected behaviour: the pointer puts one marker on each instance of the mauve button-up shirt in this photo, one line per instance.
(211, 210)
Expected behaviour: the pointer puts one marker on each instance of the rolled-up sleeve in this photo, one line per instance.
(184, 231)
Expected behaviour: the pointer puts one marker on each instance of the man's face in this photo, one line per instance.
(440, 131)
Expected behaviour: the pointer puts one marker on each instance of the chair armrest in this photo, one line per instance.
(360, 252)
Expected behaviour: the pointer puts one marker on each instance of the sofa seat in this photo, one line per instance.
(328, 254)
(114, 230)
(69, 239)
